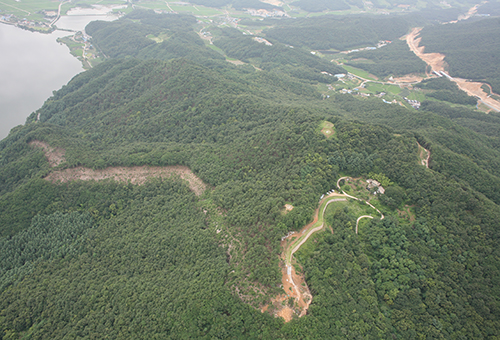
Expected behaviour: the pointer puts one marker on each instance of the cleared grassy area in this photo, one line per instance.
(417, 95)
(215, 48)
(359, 72)
(327, 129)
(184, 8)
(375, 87)
(207, 11)
(158, 39)
(27, 7)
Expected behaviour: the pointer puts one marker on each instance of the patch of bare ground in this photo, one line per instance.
(135, 175)
(288, 208)
(424, 155)
(273, 2)
(406, 214)
(55, 156)
(297, 297)
(409, 78)
(435, 60)
(295, 300)
(475, 89)
(235, 62)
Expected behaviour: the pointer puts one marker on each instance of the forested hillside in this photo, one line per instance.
(471, 49)
(108, 259)
(340, 33)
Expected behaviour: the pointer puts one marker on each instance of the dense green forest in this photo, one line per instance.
(471, 49)
(395, 59)
(103, 259)
(339, 33)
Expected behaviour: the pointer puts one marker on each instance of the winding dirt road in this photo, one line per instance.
(360, 217)
(294, 285)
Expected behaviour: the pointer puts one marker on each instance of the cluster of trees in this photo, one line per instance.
(129, 37)
(444, 89)
(279, 57)
(154, 261)
(151, 271)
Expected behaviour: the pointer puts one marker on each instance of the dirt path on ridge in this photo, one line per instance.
(424, 155)
(135, 174)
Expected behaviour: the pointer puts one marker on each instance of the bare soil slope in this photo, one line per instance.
(55, 156)
(135, 174)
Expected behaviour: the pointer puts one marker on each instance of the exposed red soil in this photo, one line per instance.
(300, 292)
(437, 63)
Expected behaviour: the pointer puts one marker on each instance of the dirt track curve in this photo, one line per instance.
(134, 174)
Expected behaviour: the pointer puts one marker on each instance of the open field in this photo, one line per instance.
(375, 87)
(359, 72)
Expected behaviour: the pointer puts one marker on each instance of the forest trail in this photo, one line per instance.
(135, 174)
(294, 284)
(424, 155)
(359, 218)
(358, 199)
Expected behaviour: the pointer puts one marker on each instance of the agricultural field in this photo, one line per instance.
(359, 72)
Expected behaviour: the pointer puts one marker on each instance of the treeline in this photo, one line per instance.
(395, 59)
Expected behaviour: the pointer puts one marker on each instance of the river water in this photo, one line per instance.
(32, 65)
